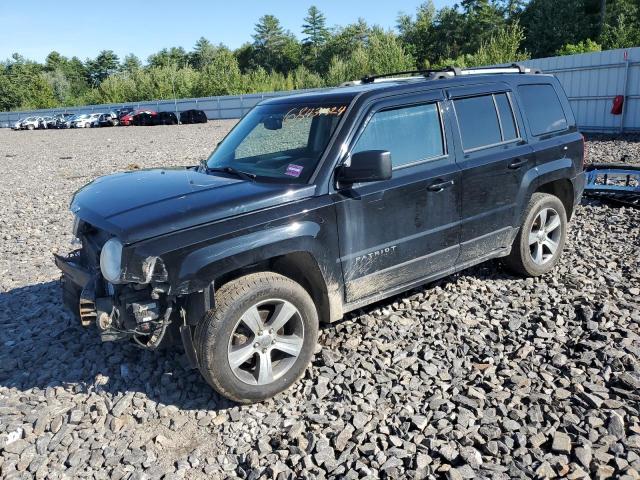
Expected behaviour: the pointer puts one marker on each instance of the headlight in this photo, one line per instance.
(111, 260)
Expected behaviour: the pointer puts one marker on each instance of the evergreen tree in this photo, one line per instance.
(167, 57)
(316, 32)
(203, 54)
(419, 35)
(547, 27)
(268, 41)
(131, 64)
(105, 64)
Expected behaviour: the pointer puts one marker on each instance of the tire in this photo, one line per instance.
(533, 253)
(30, 127)
(265, 294)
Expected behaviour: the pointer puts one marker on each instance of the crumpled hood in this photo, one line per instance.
(146, 203)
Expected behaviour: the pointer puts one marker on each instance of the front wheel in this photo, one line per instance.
(259, 338)
(539, 243)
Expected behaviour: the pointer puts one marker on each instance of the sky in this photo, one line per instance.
(83, 29)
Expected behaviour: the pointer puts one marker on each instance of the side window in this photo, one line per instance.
(478, 121)
(411, 134)
(485, 120)
(543, 109)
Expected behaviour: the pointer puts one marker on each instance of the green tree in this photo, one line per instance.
(130, 64)
(585, 46)
(502, 47)
(268, 40)
(482, 18)
(105, 64)
(622, 24)
(203, 54)
(449, 33)
(169, 56)
(343, 42)
(550, 24)
(317, 33)
(221, 76)
(418, 34)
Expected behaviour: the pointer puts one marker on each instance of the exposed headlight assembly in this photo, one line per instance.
(111, 261)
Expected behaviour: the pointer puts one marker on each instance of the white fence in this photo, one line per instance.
(591, 80)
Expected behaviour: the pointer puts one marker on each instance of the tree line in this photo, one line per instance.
(474, 32)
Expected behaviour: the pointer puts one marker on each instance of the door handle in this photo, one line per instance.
(440, 186)
(517, 163)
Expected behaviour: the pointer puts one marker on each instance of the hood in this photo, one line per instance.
(146, 203)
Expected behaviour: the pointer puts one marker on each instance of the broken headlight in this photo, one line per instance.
(111, 260)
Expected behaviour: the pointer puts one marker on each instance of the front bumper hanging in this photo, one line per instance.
(614, 182)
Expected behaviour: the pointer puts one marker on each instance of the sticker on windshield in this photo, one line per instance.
(293, 170)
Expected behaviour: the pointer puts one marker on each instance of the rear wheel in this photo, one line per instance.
(259, 339)
(539, 243)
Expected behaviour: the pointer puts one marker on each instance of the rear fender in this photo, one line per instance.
(560, 169)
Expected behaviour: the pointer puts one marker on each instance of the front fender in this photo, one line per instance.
(201, 266)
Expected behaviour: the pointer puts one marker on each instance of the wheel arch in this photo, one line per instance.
(563, 189)
(300, 266)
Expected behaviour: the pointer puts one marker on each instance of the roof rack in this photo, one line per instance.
(447, 72)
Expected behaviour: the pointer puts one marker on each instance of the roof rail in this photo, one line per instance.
(447, 72)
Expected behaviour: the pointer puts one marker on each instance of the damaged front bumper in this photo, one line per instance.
(618, 183)
(135, 312)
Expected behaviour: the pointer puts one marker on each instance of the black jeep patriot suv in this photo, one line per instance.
(320, 203)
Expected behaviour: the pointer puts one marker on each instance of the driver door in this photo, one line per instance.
(405, 230)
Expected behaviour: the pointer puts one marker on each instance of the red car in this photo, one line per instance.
(129, 118)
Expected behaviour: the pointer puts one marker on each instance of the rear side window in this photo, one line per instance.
(411, 134)
(543, 109)
(485, 120)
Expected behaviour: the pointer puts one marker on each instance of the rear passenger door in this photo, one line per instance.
(405, 229)
(494, 158)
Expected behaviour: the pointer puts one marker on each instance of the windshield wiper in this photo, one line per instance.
(232, 171)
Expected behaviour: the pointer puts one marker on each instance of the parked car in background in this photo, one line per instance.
(166, 118)
(106, 120)
(44, 122)
(193, 116)
(121, 112)
(84, 120)
(31, 123)
(127, 118)
(144, 117)
(62, 119)
(51, 122)
(17, 125)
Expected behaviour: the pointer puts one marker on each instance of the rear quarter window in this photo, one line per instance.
(542, 108)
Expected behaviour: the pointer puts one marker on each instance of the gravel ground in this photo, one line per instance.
(478, 375)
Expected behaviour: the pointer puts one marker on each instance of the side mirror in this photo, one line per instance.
(366, 166)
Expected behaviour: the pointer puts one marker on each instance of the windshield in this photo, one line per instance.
(279, 142)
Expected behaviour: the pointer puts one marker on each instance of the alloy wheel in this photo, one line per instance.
(265, 342)
(544, 237)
